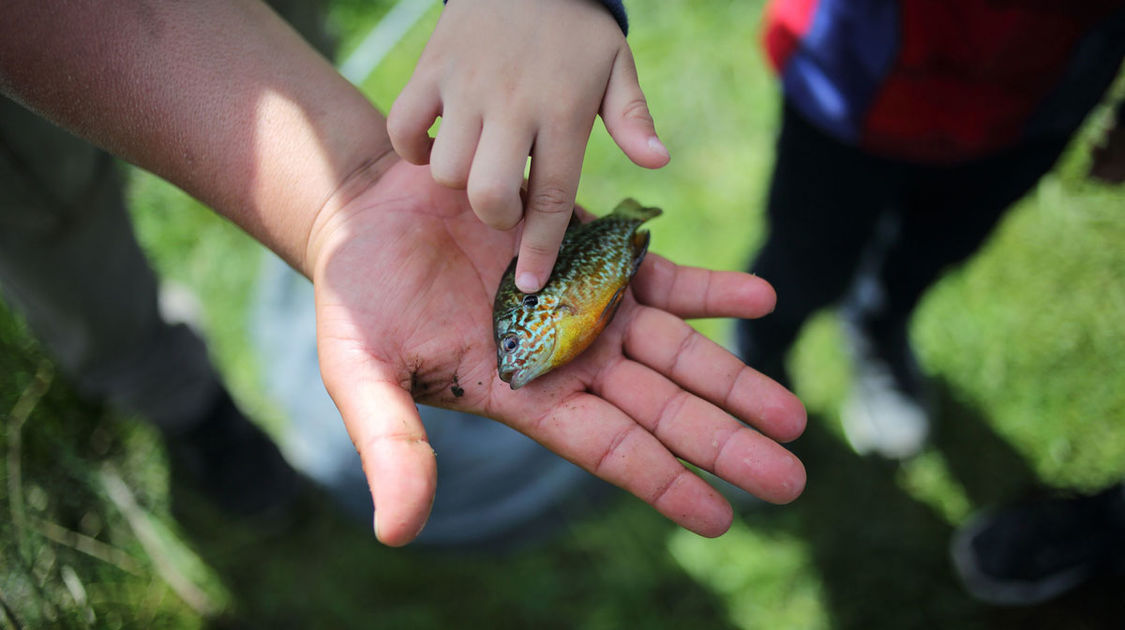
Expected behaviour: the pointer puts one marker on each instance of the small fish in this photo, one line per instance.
(537, 332)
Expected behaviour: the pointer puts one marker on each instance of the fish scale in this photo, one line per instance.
(537, 332)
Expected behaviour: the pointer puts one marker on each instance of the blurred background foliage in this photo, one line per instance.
(1025, 344)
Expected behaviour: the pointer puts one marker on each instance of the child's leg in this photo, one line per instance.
(824, 204)
(948, 213)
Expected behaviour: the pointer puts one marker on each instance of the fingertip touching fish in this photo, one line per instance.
(538, 332)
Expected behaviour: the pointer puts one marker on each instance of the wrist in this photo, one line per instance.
(616, 8)
(338, 208)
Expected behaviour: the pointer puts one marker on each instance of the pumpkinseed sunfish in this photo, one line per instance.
(537, 332)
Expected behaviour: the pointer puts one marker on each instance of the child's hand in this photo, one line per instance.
(513, 79)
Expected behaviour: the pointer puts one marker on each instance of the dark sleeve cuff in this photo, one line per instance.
(616, 9)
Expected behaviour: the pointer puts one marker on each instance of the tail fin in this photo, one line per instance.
(630, 209)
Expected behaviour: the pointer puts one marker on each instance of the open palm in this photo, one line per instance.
(405, 277)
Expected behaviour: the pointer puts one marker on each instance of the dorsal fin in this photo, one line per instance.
(631, 209)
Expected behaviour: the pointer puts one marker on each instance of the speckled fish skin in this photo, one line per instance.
(537, 332)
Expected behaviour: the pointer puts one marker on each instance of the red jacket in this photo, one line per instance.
(945, 80)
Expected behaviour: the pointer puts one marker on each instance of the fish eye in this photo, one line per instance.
(530, 301)
(509, 343)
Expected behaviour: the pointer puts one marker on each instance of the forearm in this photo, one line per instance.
(220, 97)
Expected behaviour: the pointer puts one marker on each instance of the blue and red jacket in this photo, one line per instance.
(940, 81)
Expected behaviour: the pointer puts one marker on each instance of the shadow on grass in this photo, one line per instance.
(882, 555)
(325, 570)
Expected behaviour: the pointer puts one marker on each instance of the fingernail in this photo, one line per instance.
(375, 526)
(657, 146)
(527, 282)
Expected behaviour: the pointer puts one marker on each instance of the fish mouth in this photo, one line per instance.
(519, 373)
(516, 378)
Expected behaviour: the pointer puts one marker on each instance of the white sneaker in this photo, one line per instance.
(887, 412)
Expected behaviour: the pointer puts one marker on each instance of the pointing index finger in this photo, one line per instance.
(556, 164)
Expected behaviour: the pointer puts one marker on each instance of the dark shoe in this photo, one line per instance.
(1030, 553)
(232, 463)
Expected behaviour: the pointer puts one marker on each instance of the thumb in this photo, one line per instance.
(626, 116)
(386, 429)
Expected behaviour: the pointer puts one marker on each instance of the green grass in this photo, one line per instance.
(1026, 344)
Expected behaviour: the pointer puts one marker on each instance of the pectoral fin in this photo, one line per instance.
(611, 308)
